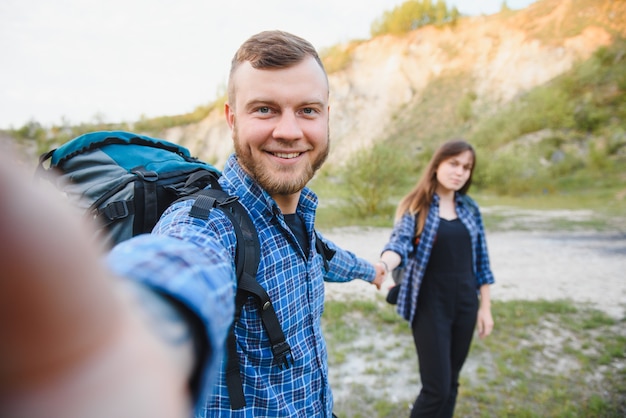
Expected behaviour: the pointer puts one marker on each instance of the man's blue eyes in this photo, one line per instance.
(306, 111)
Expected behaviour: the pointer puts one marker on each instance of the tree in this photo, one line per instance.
(411, 15)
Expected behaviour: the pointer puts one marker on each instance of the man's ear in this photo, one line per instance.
(229, 114)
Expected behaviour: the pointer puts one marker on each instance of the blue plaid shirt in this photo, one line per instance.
(193, 261)
(416, 260)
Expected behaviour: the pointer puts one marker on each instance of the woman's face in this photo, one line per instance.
(453, 173)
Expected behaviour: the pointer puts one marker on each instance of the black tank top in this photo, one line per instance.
(452, 250)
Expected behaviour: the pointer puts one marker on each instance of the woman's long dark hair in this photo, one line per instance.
(418, 200)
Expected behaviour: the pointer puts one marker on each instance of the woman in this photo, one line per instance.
(439, 239)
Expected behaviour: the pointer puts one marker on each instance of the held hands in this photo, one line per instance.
(381, 274)
(388, 261)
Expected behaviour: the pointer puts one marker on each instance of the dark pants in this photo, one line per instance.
(442, 331)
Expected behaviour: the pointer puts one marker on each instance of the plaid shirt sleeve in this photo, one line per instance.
(346, 266)
(401, 239)
(200, 276)
(474, 223)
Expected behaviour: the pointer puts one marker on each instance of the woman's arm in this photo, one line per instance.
(390, 260)
(484, 321)
(400, 243)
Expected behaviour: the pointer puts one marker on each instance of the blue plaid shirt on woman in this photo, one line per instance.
(192, 260)
(415, 260)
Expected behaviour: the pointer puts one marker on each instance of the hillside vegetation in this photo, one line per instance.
(564, 140)
(564, 137)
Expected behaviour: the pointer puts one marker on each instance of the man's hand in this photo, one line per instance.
(72, 345)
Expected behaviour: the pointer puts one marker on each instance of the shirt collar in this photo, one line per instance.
(236, 181)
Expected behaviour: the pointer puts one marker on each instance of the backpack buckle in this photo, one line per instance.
(282, 355)
(115, 210)
(145, 175)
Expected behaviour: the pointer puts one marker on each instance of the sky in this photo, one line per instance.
(79, 61)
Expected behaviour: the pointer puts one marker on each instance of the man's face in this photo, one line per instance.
(279, 123)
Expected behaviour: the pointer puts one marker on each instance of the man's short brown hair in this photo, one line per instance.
(272, 49)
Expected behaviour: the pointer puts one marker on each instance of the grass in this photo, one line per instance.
(594, 210)
(544, 359)
(600, 210)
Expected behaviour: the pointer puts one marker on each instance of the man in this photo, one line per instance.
(183, 273)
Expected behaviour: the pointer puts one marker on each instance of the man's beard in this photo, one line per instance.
(285, 185)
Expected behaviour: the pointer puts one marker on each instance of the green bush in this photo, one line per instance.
(338, 57)
(156, 125)
(464, 107)
(413, 14)
(371, 179)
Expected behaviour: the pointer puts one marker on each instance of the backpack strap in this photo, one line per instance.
(324, 250)
(247, 261)
(120, 209)
(150, 206)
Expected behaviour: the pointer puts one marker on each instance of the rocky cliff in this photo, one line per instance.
(500, 56)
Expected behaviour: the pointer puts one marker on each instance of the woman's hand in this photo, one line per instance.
(484, 322)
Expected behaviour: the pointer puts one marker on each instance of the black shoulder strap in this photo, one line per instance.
(247, 262)
(324, 250)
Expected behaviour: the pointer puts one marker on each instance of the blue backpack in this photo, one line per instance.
(125, 181)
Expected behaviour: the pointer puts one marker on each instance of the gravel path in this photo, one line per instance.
(586, 267)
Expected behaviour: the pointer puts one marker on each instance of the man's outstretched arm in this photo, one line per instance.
(73, 341)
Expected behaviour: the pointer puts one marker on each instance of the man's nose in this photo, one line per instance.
(288, 127)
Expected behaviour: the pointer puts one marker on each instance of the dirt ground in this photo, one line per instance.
(583, 266)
